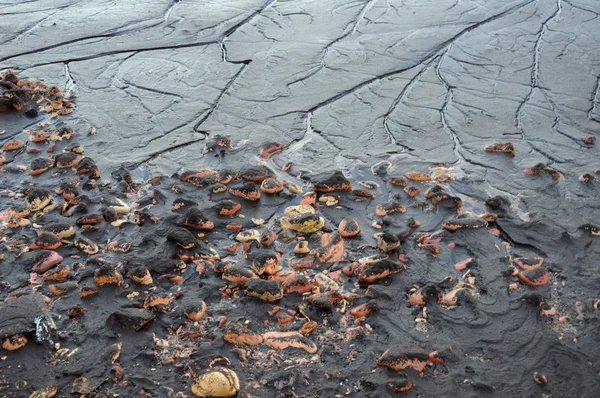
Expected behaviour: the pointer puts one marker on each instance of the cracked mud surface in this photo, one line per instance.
(345, 86)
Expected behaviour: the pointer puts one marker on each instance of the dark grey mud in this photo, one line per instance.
(376, 90)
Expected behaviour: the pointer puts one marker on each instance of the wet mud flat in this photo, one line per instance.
(384, 236)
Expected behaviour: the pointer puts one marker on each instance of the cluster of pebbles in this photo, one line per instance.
(72, 231)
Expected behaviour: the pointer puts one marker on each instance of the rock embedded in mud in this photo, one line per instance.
(66, 160)
(387, 241)
(14, 342)
(182, 237)
(200, 178)
(334, 182)
(267, 290)
(59, 274)
(332, 248)
(374, 271)
(236, 333)
(238, 275)
(271, 186)
(257, 173)
(85, 245)
(216, 382)
(131, 318)
(386, 208)
(61, 288)
(247, 190)
(219, 143)
(349, 228)
(107, 275)
(501, 147)
(326, 300)
(304, 223)
(464, 221)
(196, 219)
(270, 149)
(401, 385)
(194, 311)
(40, 260)
(46, 241)
(13, 145)
(18, 315)
(40, 165)
(266, 262)
(417, 176)
(38, 198)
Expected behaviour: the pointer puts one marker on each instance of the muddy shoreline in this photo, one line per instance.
(149, 108)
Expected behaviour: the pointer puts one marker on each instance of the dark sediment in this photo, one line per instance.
(178, 103)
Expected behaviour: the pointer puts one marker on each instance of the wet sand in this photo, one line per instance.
(374, 90)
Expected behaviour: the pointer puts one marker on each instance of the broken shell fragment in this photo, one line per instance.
(535, 276)
(529, 262)
(251, 235)
(399, 358)
(282, 340)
